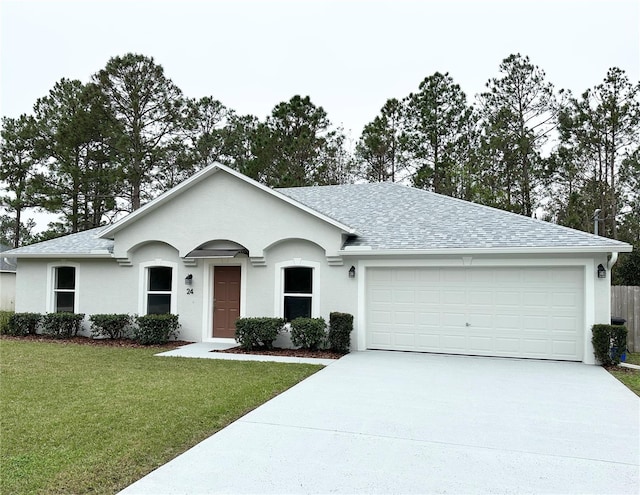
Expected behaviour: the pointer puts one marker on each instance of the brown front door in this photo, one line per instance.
(226, 300)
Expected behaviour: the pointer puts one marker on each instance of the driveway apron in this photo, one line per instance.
(395, 422)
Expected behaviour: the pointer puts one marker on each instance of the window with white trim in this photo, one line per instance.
(64, 289)
(158, 293)
(298, 292)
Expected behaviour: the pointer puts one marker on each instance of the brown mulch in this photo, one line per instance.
(277, 351)
(94, 342)
(622, 369)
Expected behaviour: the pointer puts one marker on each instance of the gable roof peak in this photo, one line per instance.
(201, 175)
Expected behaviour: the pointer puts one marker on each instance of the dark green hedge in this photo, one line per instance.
(609, 343)
(308, 333)
(62, 325)
(156, 329)
(23, 323)
(340, 328)
(113, 326)
(257, 333)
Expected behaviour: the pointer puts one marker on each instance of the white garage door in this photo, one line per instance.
(516, 312)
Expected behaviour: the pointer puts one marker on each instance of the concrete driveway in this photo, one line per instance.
(394, 422)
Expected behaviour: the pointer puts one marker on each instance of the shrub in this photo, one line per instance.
(5, 316)
(62, 325)
(609, 343)
(308, 333)
(112, 326)
(340, 327)
(156, 329)
(256, 333)
(23, 323)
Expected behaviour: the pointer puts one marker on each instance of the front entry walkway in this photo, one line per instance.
(205, 350)
(392, 422)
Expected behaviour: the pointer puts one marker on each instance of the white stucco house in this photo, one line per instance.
(419, 271)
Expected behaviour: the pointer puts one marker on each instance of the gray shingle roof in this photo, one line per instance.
(81, 243)
(391, 216)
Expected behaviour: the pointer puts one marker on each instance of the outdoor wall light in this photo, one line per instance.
(188, 280)
(352, 272)
(602, 272)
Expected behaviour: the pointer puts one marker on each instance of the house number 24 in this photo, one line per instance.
(189, 291)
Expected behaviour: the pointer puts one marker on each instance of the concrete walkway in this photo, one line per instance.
(392, 422)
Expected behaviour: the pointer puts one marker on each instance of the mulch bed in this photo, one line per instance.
(622, 369)
(95, 342)
(304, 353)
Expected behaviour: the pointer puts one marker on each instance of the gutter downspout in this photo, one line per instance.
(612, 260)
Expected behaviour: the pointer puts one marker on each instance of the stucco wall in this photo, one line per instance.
(223, 207)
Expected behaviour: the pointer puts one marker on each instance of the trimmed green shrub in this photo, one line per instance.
(5, 316)
(112, 326)
(308, 333)
(23, 323)
(609, 343)
(340, 327)
(258, 333)
(156, 329)
(62, 325)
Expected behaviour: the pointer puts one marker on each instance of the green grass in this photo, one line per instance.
(86, 419)
(633, 358)
(630, 377)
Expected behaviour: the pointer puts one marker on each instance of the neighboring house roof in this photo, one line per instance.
(379, 218)
(393, 217)
(82, 244)
(5, 264)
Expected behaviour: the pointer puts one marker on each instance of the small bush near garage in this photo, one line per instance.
(340, 327)
(111, 326)
(156, 329)
(609, 343)
(308, 333)
(258, 333)
(5, 316)
(23, 323)
(62, 325)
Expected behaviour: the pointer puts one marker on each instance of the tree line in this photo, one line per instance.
(90, 152)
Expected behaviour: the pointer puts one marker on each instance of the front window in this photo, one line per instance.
(159, 290)
(298, 292)
(64, 290)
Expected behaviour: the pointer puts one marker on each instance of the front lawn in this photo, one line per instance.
(630, 377)
(85, 419)
(633, 358)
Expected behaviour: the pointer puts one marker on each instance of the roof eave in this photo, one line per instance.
(62, 255)
(624, 248)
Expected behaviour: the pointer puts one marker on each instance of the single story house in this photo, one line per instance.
(419, 271)
(7, 281)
